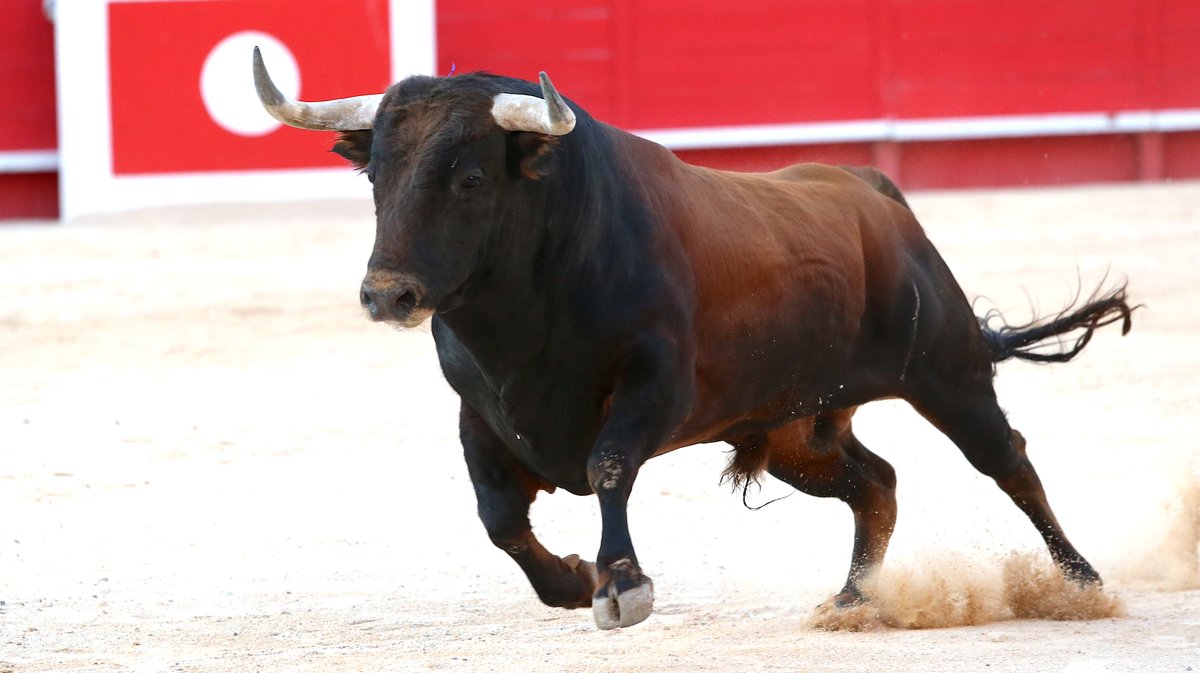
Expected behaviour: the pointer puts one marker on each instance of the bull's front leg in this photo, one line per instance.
(646, 403)
(504, 489)
(624, 594)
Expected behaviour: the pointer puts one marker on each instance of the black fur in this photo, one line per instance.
(1029, 341)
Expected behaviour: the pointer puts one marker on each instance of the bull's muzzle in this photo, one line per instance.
(394, 298)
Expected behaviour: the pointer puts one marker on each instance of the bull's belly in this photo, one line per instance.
(724, 420)
(550, 421)
(554, 440)
(740, 392)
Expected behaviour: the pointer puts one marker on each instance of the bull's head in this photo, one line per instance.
(447, 159)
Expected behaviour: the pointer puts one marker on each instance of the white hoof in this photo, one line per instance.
(626, 609)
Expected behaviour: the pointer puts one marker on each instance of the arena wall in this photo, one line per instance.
(938, 93)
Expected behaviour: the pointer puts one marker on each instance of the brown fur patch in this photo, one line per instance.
(355, 147)
(747, 462)
(382, 280)
(536, 150)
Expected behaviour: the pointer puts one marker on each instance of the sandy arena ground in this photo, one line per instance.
(210, 461)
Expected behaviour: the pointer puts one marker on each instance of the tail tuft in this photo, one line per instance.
(1036, 340)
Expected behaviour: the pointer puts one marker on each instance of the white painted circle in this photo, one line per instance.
(227, 81)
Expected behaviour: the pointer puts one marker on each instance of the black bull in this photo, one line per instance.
(596, 302)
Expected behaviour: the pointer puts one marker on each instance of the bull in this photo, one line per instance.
(597, 302)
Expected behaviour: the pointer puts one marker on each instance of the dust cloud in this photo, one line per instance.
(947, 590)
(961, 591)
(1172, 561)
(1034, 589)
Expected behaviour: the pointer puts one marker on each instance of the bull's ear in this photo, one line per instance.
(355, 147)
(533, 154)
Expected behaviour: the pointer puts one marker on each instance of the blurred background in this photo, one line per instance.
(115, 105)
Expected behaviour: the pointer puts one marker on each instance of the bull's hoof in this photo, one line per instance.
(846, 611)
(585, 568)
(573, 587)
(627, 598)
(626, 608)
(590, 578)
(848, 598)
(1082, 574)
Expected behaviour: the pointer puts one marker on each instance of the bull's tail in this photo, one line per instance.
(1046, 339)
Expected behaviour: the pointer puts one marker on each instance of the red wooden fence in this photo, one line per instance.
(715, 63)
(939, 93)
(28, 183)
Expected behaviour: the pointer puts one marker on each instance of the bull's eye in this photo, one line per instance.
(471, 180)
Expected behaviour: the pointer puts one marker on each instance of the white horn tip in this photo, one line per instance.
(560, 116)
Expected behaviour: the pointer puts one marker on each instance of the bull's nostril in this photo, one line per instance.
(394, 299)
(368, 302)
(406, 302)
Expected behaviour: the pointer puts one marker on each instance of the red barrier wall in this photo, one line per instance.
(27, 112)
(714, 62)
(647, 65)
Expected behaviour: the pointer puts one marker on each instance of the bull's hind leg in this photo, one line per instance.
(976, 424)
(504, 489)
(822, 457)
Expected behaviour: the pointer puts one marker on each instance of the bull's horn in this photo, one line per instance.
(343, 114)
(549, 114)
